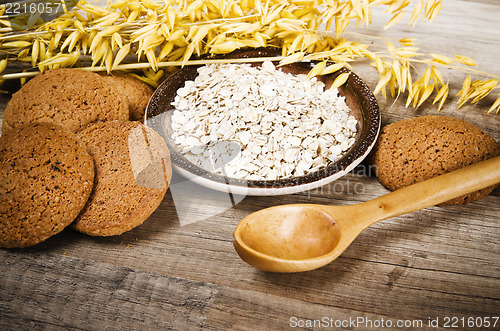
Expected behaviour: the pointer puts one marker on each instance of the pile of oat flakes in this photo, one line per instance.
(285, 125)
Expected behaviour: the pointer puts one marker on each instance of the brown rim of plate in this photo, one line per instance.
(359, 98)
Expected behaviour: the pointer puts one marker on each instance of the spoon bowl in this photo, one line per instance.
(301, 237)
(285, 233)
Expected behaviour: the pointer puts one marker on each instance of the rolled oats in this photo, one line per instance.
(283, 124)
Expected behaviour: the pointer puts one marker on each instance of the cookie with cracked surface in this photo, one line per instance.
(72, 98)
(43, 186)
(136, 93)
(133, 170)
(416, 149)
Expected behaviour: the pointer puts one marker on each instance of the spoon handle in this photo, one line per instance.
(431, 192)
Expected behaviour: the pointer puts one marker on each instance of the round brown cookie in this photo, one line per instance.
(136, 92)
(133, 170)
(46, 176)
(413, 150)
(72, 98)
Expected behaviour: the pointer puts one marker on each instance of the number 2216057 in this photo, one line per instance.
(16, 8)
(470, 322)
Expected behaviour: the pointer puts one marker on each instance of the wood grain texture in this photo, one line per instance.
(179, 270)
(89, 295)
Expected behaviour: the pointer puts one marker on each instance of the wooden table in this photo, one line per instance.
(179, 269)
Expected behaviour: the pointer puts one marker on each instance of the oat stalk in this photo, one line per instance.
(154, 35)
(146, 65)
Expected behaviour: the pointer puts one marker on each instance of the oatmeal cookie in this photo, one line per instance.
(43, 186)
(413, 150)
(132, 165)
(72, 98)
(136, 93)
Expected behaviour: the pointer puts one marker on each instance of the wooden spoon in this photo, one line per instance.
(301, 237)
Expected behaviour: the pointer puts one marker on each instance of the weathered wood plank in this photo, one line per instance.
(33, 297)
(39, 291)
(410, 261)
(231, 311)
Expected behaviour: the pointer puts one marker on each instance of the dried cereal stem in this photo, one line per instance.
(145, 65)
